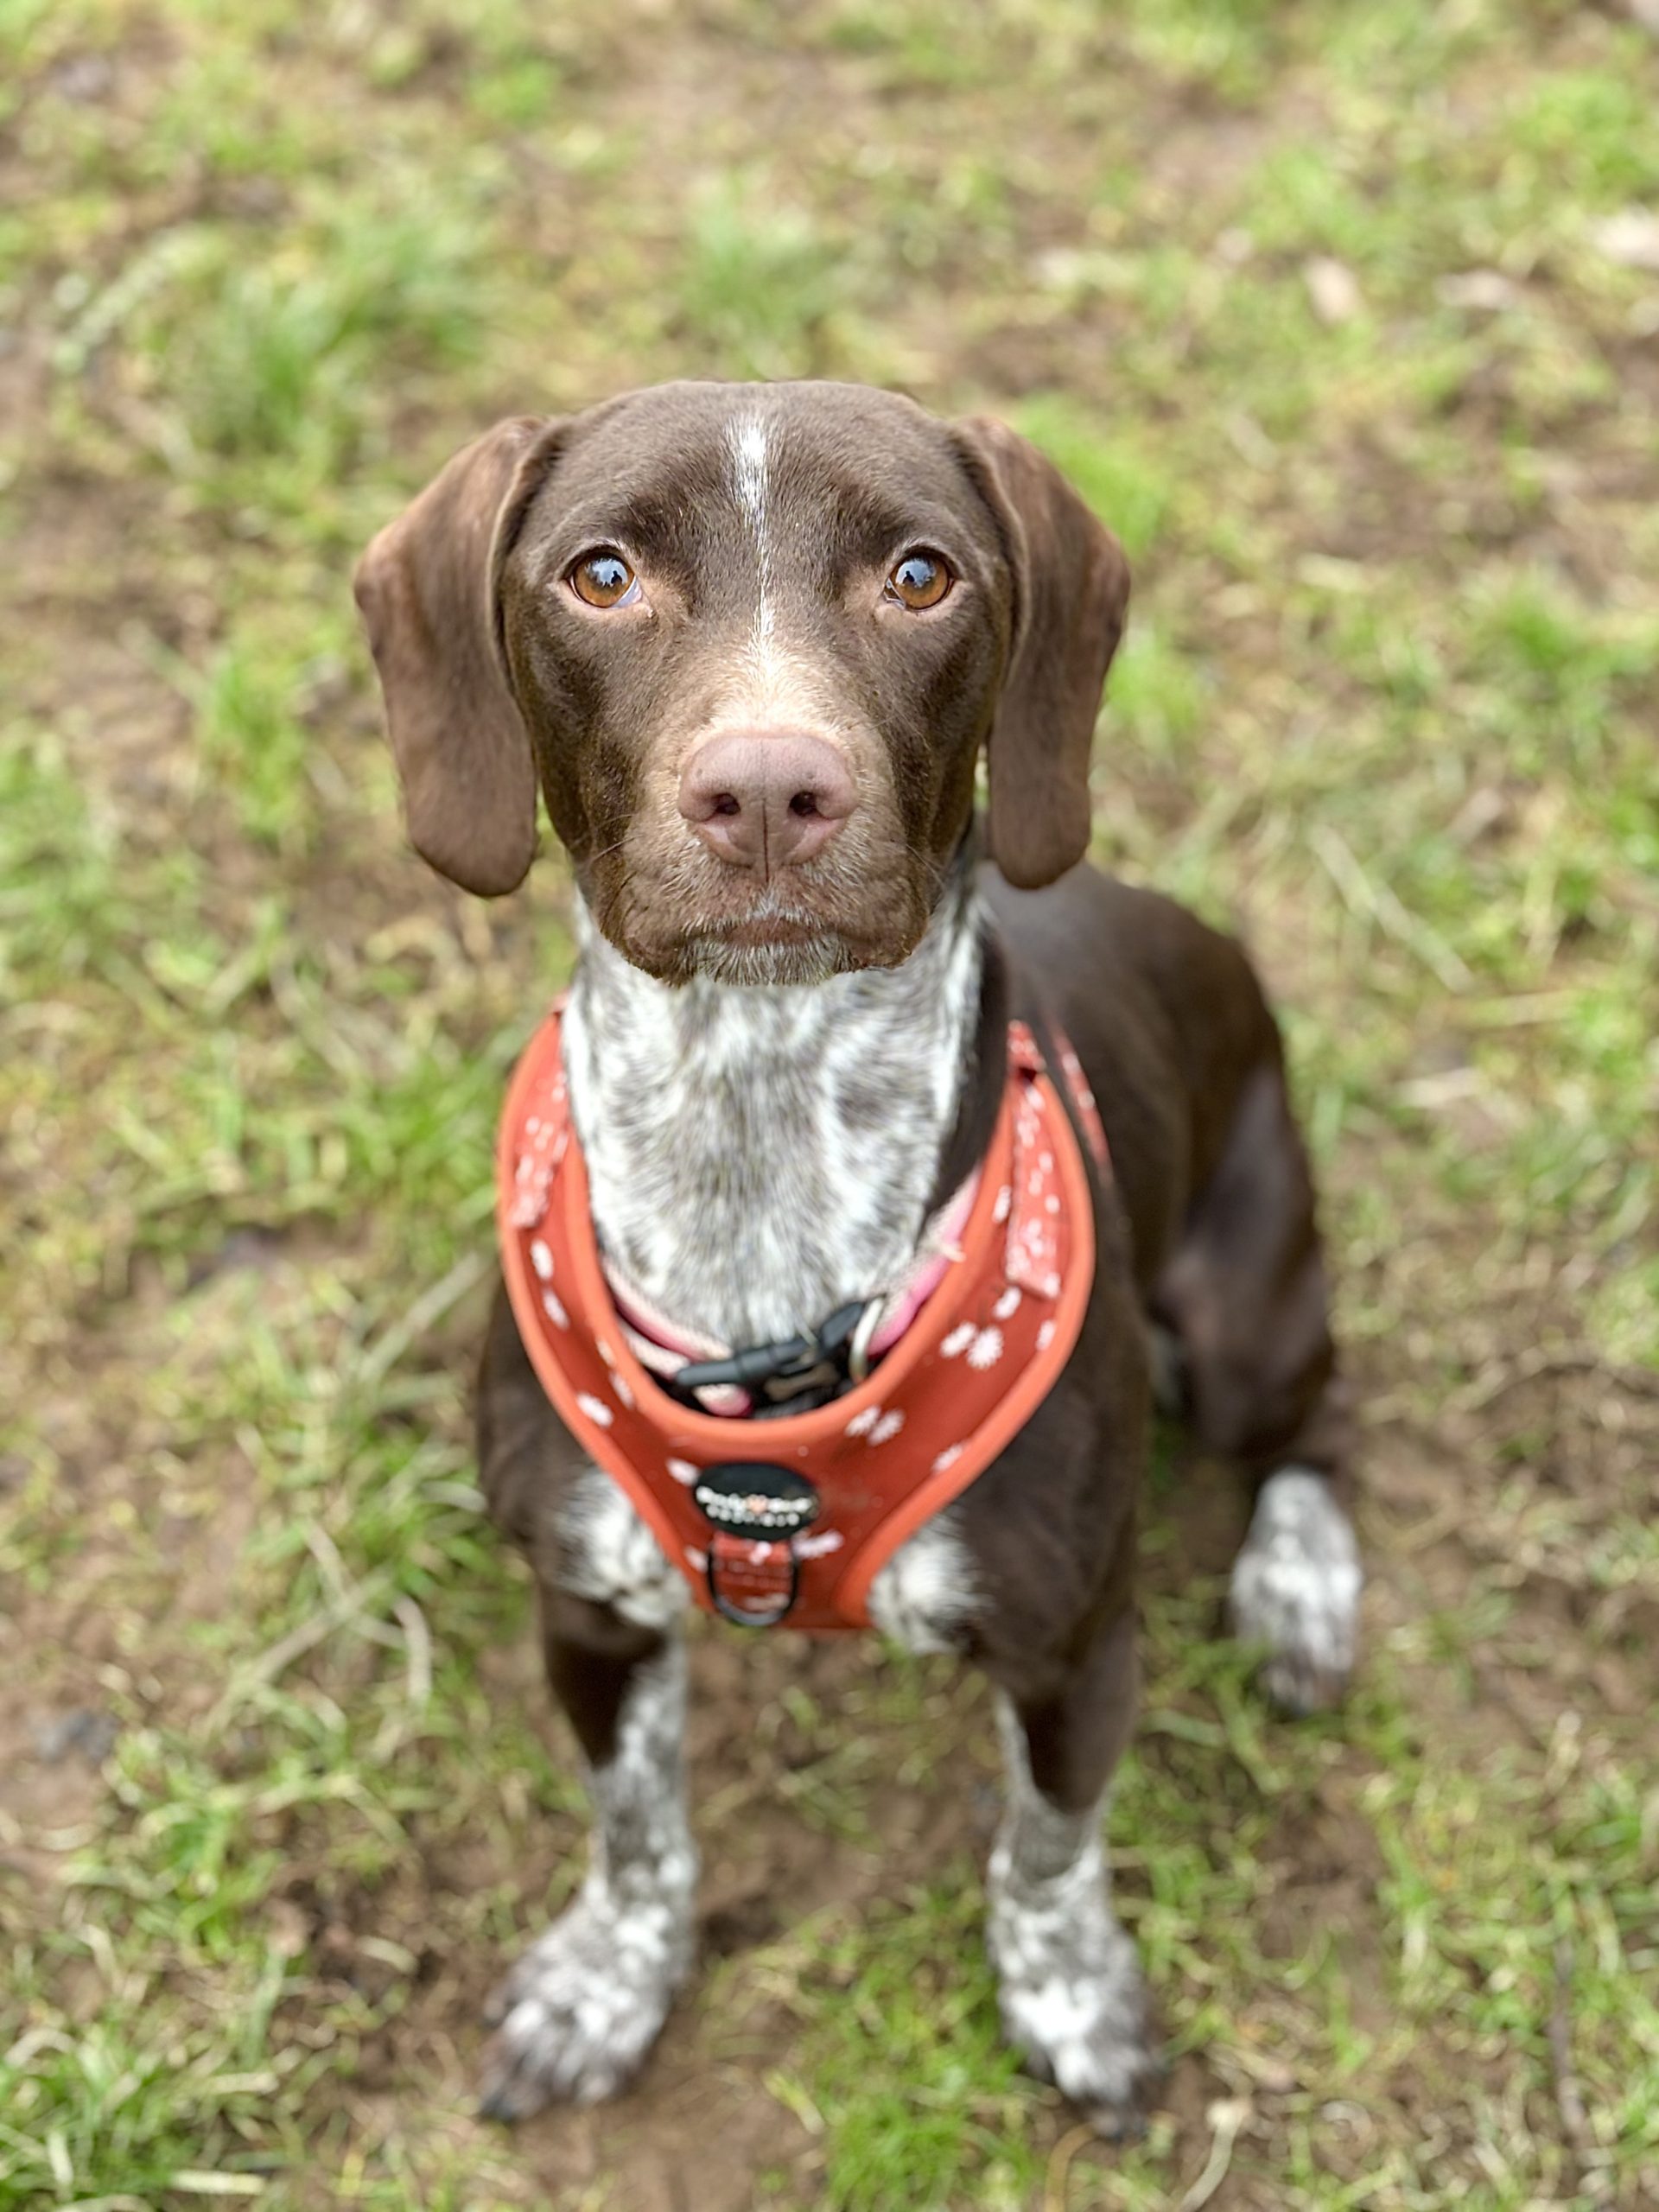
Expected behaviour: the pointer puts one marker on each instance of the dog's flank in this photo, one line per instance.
(758, 1157)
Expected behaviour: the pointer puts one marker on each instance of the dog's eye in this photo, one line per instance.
(604, 579)
(920, 580)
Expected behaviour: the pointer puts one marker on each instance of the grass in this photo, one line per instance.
(1386, 704)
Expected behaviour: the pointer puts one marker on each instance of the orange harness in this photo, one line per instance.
(793, 1514)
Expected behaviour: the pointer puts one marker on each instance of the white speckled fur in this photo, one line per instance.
(731, 1184)
(584, 2003)
(1068, 1983)
(923, 1596)
(607, 1554)
(1295, 1588)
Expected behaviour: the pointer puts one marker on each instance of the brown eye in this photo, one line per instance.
(604, 579)
(920, 580)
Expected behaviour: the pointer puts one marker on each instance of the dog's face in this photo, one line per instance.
(749, 640)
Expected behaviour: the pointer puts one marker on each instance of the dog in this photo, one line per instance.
(751, 643)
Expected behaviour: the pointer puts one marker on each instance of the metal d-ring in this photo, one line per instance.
(729, 1612)
(858, 1351)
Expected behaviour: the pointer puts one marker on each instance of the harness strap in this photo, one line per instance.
(789, 1516)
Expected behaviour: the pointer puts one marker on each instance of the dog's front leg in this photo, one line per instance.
(1068, 1982)
(576, 2016)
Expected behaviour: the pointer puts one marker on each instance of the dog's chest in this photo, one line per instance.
(759, 1157)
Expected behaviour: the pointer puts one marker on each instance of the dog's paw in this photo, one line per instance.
(1083, 2026)
(1068, 1985)
(1295, 1589)
(575, 2017)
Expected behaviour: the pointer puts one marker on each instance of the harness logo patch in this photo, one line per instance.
(749, 1497)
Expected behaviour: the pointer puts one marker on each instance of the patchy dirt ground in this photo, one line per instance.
(1343, 315)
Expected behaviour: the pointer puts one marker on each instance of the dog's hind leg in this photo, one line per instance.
(1244, 1296)
(1068, 1980)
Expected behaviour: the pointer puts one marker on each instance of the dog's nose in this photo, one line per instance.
(764, 798)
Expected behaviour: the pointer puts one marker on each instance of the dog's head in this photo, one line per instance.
(749, 639)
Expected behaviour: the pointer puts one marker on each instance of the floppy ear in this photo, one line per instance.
(427, 586)
(1070, 590)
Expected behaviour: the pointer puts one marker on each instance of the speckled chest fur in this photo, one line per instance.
(759, 1156)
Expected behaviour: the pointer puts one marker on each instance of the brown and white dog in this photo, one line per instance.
(750, 642)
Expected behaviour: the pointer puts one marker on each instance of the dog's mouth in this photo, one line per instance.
(762, 950)
(695, 917)
(772, 944)
(767, 924)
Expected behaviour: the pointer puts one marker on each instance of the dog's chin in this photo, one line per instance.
(756, 964)
(787, 933)
(752, 959)
(759, 953)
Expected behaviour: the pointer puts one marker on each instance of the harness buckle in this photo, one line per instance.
(811, 1370)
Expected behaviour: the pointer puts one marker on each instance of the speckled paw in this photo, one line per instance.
(1295, 1592)
(574, 2018)
(1090, 2039)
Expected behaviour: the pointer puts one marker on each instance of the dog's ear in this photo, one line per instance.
(1070, 587)
(427, 586)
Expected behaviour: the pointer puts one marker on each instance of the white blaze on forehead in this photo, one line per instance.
(772, 682)
(748, 444)
(748, 441)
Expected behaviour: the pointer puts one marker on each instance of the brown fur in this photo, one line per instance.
(495, 679)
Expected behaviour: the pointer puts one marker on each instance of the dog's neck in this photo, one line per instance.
(759, 1156)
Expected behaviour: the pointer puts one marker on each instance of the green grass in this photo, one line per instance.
(1388, 705)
